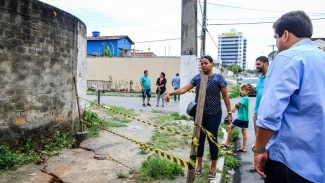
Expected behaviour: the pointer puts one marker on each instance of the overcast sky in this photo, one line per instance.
(147, 20)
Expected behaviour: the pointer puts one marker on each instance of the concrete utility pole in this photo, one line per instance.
(204, 26)
(188, 64)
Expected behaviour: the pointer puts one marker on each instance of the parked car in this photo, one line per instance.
(252, 82)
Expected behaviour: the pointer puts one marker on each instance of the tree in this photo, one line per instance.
(234, 68)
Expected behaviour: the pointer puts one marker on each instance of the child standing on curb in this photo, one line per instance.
(242, 117)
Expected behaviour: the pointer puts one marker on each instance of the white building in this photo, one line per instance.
(232, 49)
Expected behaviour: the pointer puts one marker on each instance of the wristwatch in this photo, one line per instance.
(258, 151)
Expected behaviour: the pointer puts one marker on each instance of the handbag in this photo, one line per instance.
(191, 109)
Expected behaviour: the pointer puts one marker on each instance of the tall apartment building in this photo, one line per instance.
(232, 49)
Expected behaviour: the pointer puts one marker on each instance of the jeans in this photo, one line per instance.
(162, 98)
(211, 123)
(176, 97)
(277, 172)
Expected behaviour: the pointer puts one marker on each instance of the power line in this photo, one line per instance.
(238, 7)
(212, 38)
(255, 9)
(159, 40)
(254, 23)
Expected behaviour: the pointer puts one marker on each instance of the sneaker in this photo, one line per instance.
(148, 104)
(144, 105)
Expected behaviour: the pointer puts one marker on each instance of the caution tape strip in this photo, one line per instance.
(116, 161)
(161, 153)
(208, 133)
(145, 122)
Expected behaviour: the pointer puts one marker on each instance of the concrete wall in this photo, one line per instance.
(41, 49)
(123, 70)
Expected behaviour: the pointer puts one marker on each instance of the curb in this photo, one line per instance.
(221, 161)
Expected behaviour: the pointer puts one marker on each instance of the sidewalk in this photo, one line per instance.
(247, 159)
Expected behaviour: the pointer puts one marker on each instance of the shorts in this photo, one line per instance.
(240, 123)
(146, 93)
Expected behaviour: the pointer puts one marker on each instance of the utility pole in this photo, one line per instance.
(188, 29)
(204, 26)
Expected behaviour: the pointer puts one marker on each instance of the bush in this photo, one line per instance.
(235, 91)
(157, 168)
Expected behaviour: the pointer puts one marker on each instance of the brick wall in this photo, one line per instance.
(41, 49)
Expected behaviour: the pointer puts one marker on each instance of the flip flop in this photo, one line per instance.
(241, 150)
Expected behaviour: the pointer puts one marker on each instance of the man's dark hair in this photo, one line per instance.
(263, 59)
(145, 71)
(162, 73)
(207, 57)
(296, 22)
(177, 74)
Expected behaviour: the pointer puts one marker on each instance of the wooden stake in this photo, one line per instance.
(198, 122)
(75, 86)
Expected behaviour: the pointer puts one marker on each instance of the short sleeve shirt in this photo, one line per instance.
(145, 82)
(243, 109)
(212, 104)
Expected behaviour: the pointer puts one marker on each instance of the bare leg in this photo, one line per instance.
(213, 167)
(243, 131)
(148, 100)
(199, 163)
(230, 127)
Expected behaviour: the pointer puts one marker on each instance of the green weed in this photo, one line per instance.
(121, 175)
(235, 91)
(155, 168)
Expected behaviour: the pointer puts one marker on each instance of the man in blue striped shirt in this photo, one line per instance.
(290, 139)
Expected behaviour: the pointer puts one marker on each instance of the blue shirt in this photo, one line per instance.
(176, 82)
(145, 82)
(293, 106)
(259, 91)
(212, 105)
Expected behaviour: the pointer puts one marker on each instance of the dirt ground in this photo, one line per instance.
(80, 165)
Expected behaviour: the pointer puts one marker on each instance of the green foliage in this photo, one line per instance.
(8, 159)
(122, 110)
(234, 68)
(235, 91)
(107, 50)
(94, 123)
(231, 162)
(59, 140)
(164, 140)
(157, 168)
(235, 134)
(11, 158)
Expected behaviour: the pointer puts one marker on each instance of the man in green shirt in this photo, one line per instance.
(261, 64)
(145, 88)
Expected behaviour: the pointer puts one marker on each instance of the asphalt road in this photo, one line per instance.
(243, 176)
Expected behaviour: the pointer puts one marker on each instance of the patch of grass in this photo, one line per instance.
(94, 123)
(122, 110)
(220, 133)
(59, 141)
(235, 91)
(164, 140)
(167, 140)
(155, 168)
(204, 178)
(13, 157)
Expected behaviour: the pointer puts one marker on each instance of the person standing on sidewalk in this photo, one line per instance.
(262, 65)
(145, 88)
(161, 88)
(212, 109)
(176, 83)
(290, 138)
